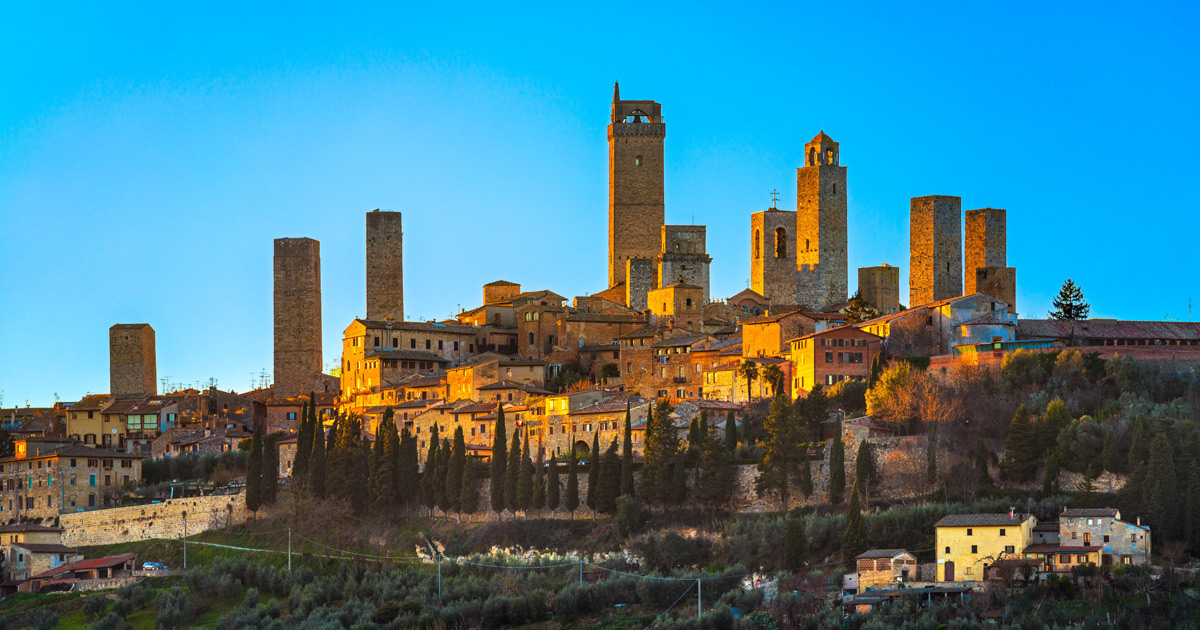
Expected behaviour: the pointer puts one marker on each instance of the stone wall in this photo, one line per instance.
(985, 244)
(683, 258)
(773, 261)
(297, 316)
(880, 287)
(385, 266)
(821, 235)
(132, 369)
(998, 282)
(639, 281)
(635, 193)
(156, 520)
(935, 249)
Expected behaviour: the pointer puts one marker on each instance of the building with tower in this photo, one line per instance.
(821, 225)
(385, 266)
(132, 364)
(986, 256)
(773, 255)
(297, 316)
(682, 258)
(880, 287)
(935, 249)
(635, 183)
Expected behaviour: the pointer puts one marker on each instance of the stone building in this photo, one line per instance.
(821, 225)
(640, 279)
(464, 383)
(635, 183)
(39, 479)
(831, 356)
(985, 244)
(1000, 283)
(679, 304)
(376, 353)
(937, 327)
(131, 360)
(773, 256)
(500, 291)
(385, 266)
(16, 562)
(1118, 541)
(683, 258)
(935, 249)
(297, 316)
(767, 336)
(882, 568)
(880, 287)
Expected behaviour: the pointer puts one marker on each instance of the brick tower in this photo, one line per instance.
(132, 369)
(297, 316)
(635, 182)
(385, 266)
(935, 249)
(773, 255)
(821, 225)
(880, 287)
(985, 243)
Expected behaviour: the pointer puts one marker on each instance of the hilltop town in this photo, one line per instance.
(825, 455)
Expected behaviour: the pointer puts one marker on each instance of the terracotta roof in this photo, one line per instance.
(881, 553)
(476, 408)
(506, 384)
(722, 405)
(609, 318)
(821, 137)
(1079, 549)
(1086, 512)
(405, 355)
(608, 406)
(27, 527)
(1043, 548)
(672, 342)
(122, 405)
(771, 319)
(423, 326)
(521, 362)
(1108, 329)
(93, 402)
(982, 520)
(986, 320)
(416, 402)
(889, 317)
(82, 565)
(827, 331)
(1046, 526)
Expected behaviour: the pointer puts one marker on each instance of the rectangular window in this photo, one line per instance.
(974, 548)
(456, 346)
(92, 480)
(1009, 549)
(428, 344)
(412, 343)
(828, 357)
(439, 344)
(377, 342)
(1001, 531)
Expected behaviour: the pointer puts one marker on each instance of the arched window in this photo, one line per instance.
(780, 243)
(806, 246)
(757, 243)
(829, 156)
(637, 161)
(812, 156)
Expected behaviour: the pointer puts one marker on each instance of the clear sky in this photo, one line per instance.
(149, 154)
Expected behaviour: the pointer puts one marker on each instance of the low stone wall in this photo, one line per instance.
(106, 583)
(156, 520)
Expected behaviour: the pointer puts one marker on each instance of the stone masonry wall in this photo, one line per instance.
(683, 258)
(821, 235)
(297, 316)
(772, 268)
(880, 287)
(132, 368)
(985, 244)
(639, 280)
(1000, 283)
(635, 194)
(156, 520)
(385, 266)
(935, 248)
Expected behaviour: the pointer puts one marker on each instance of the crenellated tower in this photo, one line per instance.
(635, 183)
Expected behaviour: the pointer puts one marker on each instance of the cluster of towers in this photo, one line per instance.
(298, 357)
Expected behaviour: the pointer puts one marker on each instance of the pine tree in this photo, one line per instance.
(806, 480)
(627, 456)
(1162, 488)
(837, 468)
(1108, 452)
(813, 410)
(512, 473)
(1020, 449)
(679, 488)
(594, 474)
(715, 477)
(661, 446)
(1069, 304)
(454, 475)
(781, 450)
(931, 453)
(525, 481)
(254, 470)
(854, 541)
(270, 469)
(552, 487)
(440, 487)
(981, 462)
(865, 470)
(429, 475)
(1050, 480)
(609, 484)
(499, 462)
(794, 543)
(304, 440)
(571, 501)
(468, 497)
(408, 475)
(316, 463)
(731, 433)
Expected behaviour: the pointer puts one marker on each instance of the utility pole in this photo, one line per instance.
(439, 576)
(699, 599)
(289, 550)
(185, 539)
(580, 565)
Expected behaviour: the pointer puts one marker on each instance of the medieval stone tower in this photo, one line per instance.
(773, 255)
(821, 225)
(132, 365)
(297, 316)
(935, 249)
(880, 287)
(385, 266)
(635, 182)
(683, 258)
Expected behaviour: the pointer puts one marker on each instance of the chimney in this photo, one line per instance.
(1139, 521)
(1011, 513)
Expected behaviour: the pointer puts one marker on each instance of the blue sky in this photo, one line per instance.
(150, 153)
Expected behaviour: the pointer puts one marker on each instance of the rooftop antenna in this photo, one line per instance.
(165, 381)
(774, 198)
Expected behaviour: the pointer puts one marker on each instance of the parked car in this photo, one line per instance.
(154, 566)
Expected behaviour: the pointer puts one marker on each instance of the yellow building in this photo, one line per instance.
(968, 543)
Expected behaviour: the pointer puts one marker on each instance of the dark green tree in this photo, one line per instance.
(429, 475)
(408, 475)
(457, 468)
(1069, 304)
(525, 481)
(316, 463)
(1050, 479)
(1138, 444)
(866, 469)
(679, 488)
(360, 499)
(794, 543)
(813, 411)
(1020, 449)
(512, 474)
(270, 468)
(627, 456)
(552, 487)
(1108, 453)
(609, 484)
(468, 497)
(837, 467)
(694, 435)
(731, 433)
(854, 541)
(499, 462)
(1162, 488)
(1191, 510)
(859, 310)
(594, 474)
(716, 476)
(445, 450)
(658, 458)
(1132, 494)
(386, 451)
(539, 484)
(806, 480)
(981, 462)
(571, 501)
(254, 465)
(876, 371)
(703, 427)
(781, 450)
(304, 442)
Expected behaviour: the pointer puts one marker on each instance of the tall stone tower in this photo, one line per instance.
(635, 182)
(297, 316)
(935, 249)
(684, 259)
(985, 243)
(880, 287)
(132, 365)
(385, 266)
(821, 225)
(773, 255)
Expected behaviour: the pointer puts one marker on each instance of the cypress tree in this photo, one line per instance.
(383, 477)
(1137, 444)
(876, 371)
(715, 478)
(525, 481)
(552, 487)
(468, 497)
(456, 470)
(443, 471)
(837, 468)
(594, 474)
(661, 446)
(571, 501)
(304, 440)
(270, 469)
(731, 433)
(865, 470)
(499, 462)
(1050, 479)
(931, 469)
(694, 435)
(428, 492)
(794, 543)
(806, 481)
(703, 429)
(408, 470)
(1020, 449)
(316, 463)
(1132, 494)
(679, 489)
(854, 541)
(331, 440)
(360, 499)
(513, 472)
(609, 484)
(254, 470)
(539, 484)
(374, 487)
(1108, 453)
(981, 462)
(1162, 488)
(627, 456)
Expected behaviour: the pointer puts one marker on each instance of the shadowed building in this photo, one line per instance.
(880, 287)
(132, 371)
(385, 266)
(297, 316)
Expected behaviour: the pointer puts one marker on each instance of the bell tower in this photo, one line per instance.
(821, 225)
(635, 183)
